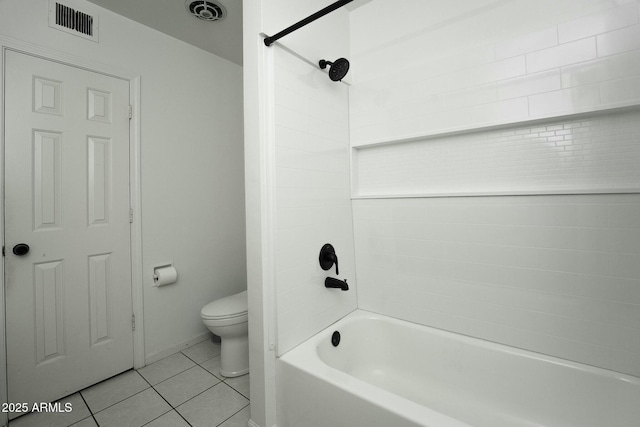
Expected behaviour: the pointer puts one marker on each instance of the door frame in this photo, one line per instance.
(7, 43)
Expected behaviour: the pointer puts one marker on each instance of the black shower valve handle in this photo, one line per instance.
(328, 257)
(335, 260)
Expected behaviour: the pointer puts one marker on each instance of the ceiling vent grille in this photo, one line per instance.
(73, 21)
(207, 10)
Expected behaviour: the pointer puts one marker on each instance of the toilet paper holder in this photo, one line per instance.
(164, 274)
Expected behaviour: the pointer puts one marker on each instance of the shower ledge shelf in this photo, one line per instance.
(611, 108)
(572, 192)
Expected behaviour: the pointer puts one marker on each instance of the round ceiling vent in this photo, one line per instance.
(207, 10)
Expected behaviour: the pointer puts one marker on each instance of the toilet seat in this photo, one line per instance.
(238, 316)
(231, 309)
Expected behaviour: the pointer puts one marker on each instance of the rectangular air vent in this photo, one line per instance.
(73, 21)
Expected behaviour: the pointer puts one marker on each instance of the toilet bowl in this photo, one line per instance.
(227, 317)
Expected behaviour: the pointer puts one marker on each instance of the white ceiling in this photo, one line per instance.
(222, 38)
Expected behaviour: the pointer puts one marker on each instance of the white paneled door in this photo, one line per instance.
(68, 298)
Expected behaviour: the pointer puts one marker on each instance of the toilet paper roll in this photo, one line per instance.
(165, 276)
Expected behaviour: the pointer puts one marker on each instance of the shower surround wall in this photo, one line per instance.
(553, 274)
(528, 261)
(297, 184)
(461, 65)
(313, 203)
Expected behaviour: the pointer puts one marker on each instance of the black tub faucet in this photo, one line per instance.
(330, 282)
(328, 257)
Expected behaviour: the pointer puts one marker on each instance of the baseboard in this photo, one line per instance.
(176, 348)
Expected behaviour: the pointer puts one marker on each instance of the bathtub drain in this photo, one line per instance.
(335, 338)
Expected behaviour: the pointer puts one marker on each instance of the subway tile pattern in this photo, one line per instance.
(580, 56)
(594, 153)
(313, 198)
(186, 395)
(558, 275)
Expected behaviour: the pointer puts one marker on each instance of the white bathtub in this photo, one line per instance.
(390, 373)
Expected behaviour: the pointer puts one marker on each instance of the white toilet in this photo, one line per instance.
(227, 317)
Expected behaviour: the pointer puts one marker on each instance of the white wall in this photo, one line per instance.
(191, 150)
(556, 274)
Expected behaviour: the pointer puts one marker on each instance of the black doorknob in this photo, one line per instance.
(21, 249)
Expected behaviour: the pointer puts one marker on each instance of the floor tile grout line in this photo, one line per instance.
(145, 380)
(189, 358)
(163, 398)
(199, 363)
(154, 385)
(179, 414)
(231, 378)
(197, 344)
(232, 415)
(219, 376)
(236, 390)
(90, 411)
(174, 375)
(203, 391)
(120, 401)
(196, 364)
(135, 394)
(185, 420)
(162, 415)
(174, 407)
(221, 382)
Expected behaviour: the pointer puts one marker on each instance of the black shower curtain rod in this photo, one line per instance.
(268, 41)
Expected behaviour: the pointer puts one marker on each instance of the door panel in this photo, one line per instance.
(67, 196)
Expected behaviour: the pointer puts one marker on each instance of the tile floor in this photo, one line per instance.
(182, 390)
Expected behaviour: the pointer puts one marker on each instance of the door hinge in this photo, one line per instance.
(133, 322)
(130, 112)
(2, 250)
(130, 216)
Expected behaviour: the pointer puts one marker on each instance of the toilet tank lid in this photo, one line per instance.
(232, 305)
